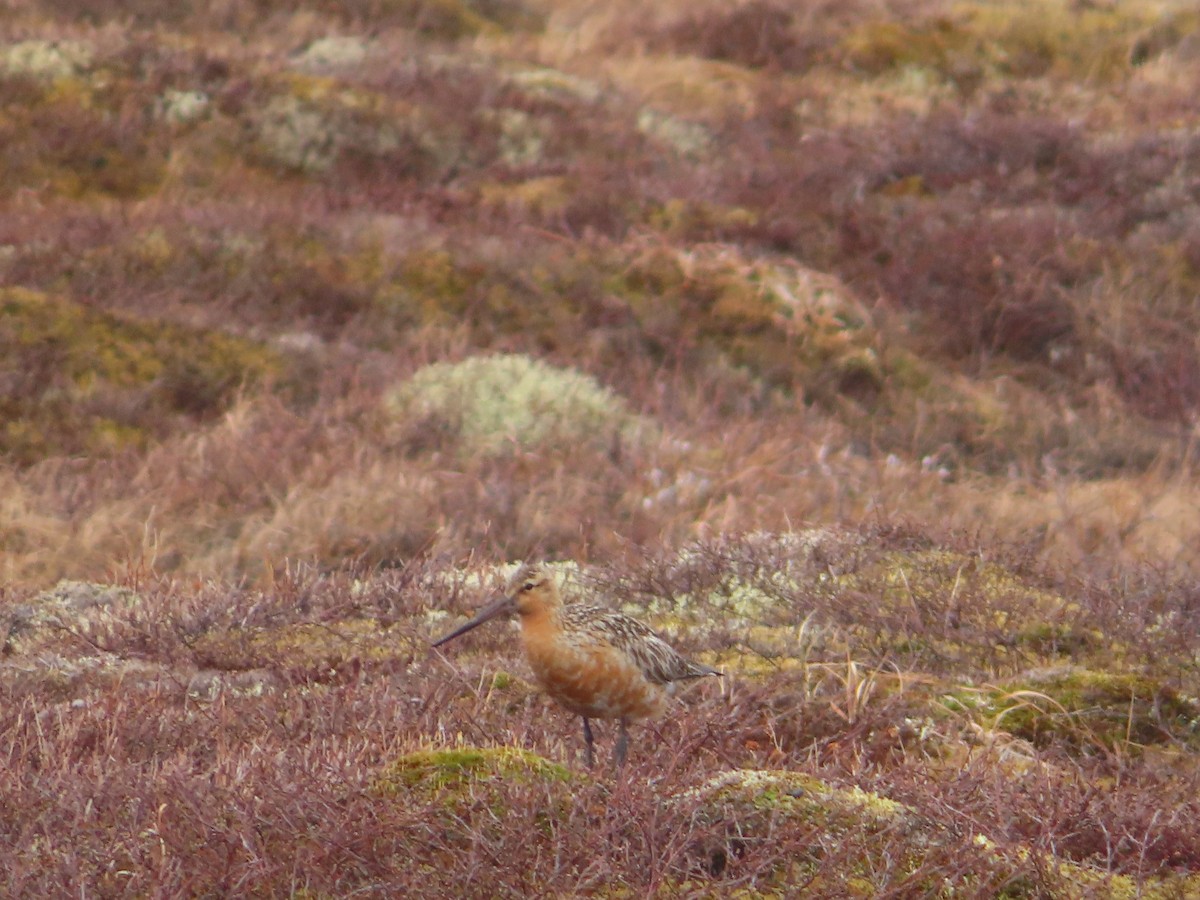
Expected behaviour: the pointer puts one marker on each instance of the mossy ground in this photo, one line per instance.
(450, 773)
(1093, 711)
(828, 763)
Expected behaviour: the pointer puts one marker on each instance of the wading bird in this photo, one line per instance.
(597, 663)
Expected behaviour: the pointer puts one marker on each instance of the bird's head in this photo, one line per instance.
(531, 590)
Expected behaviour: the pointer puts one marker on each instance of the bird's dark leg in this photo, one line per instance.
(588, 742)
(622, 744)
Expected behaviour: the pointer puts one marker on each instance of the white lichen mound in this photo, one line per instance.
(44, 60)
(182, 107)
(689, 139)
(493, 404)
(297, 135)
(69, 606)
(332, 53)
(551, 84)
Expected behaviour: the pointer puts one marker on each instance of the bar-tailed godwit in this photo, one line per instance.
(597, 663)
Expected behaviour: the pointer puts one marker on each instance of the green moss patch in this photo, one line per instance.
(868, 834)
(805, 796)
(941, 606)
(1017, 40)
(71, 134)
(858, 828)
(88, 381)
(1089, 711)
(455, 19)
(784, 323)
(312, 652)
(456, 771)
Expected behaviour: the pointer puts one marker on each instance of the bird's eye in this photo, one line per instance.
(528, 586)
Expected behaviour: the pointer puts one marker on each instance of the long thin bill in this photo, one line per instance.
(486, 614)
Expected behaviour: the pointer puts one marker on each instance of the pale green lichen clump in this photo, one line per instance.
(68, 607)
(494, 403)
(801, 794)
(44, 60)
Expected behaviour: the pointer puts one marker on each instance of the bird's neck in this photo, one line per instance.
(540, 624)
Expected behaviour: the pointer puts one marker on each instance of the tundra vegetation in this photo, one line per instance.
(853, 345)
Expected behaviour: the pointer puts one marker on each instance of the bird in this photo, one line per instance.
(596, 663)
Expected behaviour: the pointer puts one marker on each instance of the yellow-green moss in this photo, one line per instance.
(755, 799)
(453, 772)
(100, 381)
(805, 796)
(929, 582)
(1023, 39)
(467, 790)
(877, 46)
(1072, 881)
(501, 681)
(940, 570)
(343, 640)
(545, 197)
(784, 323)
(1088, 710)
(682, 217)
(109, 436)
(68, 138)
(1056, 37)
(430, 286)
(299, 645)
(455, 19)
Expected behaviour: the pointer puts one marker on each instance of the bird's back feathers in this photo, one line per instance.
(659, 662)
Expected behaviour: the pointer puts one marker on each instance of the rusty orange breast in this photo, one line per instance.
(589, 678)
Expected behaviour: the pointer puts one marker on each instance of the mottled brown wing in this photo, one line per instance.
(659, 662)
